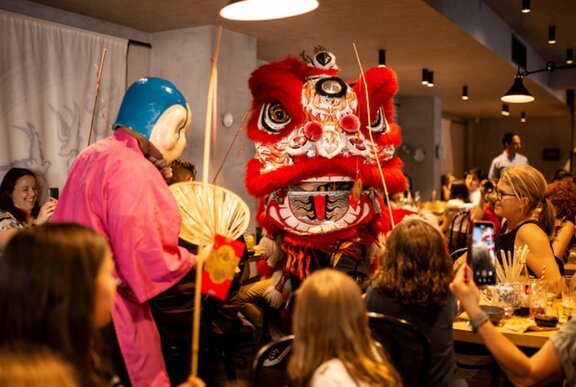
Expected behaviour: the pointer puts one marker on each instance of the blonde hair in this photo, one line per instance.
(34, 367)
(415, 267)
(528, 182)
(331, 321)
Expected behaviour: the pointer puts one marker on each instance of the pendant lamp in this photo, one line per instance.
(252, 10)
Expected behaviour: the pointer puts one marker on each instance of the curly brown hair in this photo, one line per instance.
(415, 267)
(562, 194)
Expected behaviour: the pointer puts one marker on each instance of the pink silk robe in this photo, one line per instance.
(115, 190)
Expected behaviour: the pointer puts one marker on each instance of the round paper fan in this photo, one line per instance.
(205, 214)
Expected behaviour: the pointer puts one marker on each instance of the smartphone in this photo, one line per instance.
(481, 255)
(54, 192)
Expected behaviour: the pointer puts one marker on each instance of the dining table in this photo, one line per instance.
(528, 339)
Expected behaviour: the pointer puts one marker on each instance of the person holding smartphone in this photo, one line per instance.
(552, 363)
(19, 206)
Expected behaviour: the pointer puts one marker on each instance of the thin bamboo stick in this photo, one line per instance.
(375, 149)
(205, 168)
(99, 77)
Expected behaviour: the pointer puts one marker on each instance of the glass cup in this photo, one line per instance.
(249, 240)
(568, 296)
(507, 296)
(538, 297)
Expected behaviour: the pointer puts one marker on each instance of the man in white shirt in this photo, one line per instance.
(509, 157)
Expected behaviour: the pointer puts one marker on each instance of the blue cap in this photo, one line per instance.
(144, 103)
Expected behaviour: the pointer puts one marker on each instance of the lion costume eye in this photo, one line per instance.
(274, 117)
(379, 125)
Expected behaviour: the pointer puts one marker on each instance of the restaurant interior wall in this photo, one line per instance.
(183, 56)
(452, 151)
(536, 133)
(421, 120)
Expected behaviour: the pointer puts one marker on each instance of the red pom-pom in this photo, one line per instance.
(313, 130)
(263, 269)
(350, 123)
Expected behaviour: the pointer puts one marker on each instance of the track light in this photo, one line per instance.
(465, 96)
(523, 117)
(505, 110)
(569, 56)
(551, 35)
(246, 10)
(525, 6)
(430, 79)
(381, 57)
(425, 77)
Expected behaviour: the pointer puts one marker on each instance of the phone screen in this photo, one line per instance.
(54, 193)
(482, 256)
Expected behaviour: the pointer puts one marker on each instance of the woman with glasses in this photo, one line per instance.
(529, 220)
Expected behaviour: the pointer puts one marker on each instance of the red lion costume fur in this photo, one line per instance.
(314, 171)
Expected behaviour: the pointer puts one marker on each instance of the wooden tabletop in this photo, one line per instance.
(529, 339)
(570, 268)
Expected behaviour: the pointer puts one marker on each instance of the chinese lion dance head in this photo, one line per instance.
(318, 144)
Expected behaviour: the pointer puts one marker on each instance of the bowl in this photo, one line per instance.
(546, 321)
(495, 313)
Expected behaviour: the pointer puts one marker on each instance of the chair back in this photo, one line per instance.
(458, 253)
(407, 347)
(269, 366)
(458, 233)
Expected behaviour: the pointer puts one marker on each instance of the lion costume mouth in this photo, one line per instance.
(319, 206)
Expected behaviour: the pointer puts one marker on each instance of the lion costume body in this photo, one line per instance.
(315, 171)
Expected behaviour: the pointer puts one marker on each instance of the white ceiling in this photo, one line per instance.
(413, 32)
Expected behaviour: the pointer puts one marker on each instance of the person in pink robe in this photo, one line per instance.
(117, 187)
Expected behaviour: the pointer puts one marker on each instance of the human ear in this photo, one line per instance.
(166, 131)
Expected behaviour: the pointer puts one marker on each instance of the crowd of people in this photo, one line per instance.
(78, 275)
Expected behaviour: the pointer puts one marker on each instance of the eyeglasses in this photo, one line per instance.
(500, 194)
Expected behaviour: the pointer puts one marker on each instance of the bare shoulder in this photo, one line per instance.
(531, 233)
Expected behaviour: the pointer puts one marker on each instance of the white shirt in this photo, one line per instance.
(504, 161)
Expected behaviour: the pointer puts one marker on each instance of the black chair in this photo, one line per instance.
(458, 233)
(458, 253)
(407, 347)
(269, 367)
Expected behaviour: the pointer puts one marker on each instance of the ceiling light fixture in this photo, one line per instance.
(430, 79)
(518, 92)
(425, 77)
(381, 57)
(525, 6)
(465, 96)
(551, 35)
(523, 117)
(251, 10)
(569, 56)
(505, 110)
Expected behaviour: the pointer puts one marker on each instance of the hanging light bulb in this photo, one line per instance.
(551, 35)
(523, 117)
(381, 57)
(569, 56)
(425, 77)
(525, 6)
(465, 96)
(505, 110)
(247, 10)
(430, 79)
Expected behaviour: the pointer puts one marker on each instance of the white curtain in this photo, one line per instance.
(48, 78)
